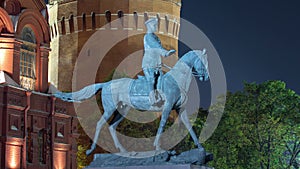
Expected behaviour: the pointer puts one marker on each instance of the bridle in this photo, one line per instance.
(201, 74)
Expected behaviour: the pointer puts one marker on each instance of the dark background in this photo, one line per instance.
(256, 40)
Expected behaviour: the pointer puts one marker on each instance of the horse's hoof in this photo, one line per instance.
(89, 152)
(200, 147)
(157, 148)
(122, 150)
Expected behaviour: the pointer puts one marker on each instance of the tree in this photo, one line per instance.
(256, 128)
(260, 128)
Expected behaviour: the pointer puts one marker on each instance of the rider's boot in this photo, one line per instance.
(158, 96)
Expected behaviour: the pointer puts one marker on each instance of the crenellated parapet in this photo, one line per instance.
(177, 2)
(167, 24)
(51, 2)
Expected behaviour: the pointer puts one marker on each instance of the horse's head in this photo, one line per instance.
(201, 65)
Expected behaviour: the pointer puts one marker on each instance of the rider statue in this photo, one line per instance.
(153, 51)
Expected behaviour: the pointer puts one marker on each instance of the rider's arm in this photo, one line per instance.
(152, 41)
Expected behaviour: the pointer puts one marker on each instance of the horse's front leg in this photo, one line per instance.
(184, 118)
(164, 118)
(186, 122)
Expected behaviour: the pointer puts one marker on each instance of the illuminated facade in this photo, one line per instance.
(36, 129)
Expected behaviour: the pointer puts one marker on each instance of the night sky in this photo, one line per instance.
(256, 40)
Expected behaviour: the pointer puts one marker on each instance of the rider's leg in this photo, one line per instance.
(149, 74)
(152, 75)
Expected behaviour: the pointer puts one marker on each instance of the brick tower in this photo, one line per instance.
(73, 22)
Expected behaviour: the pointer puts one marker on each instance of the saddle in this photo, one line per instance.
(140, 87)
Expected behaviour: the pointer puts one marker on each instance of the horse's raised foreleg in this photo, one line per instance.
(106, 115)
(164, 118)
(184, 118)
(112, 128)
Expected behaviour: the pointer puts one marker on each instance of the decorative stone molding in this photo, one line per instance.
(13, 7)
(6, 25)
(36, 20)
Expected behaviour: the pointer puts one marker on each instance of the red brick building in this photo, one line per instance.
(36, 129)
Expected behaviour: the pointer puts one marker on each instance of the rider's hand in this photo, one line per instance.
(170, 52)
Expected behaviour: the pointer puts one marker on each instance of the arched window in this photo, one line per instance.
(174, 27)
(158, 22)
(71, 24)
(28, 59)
(167, 23)
(93, 21)
(145, 17)
(108, 17)
(120, 16)
(176, 30)
(63, 27)
(83, 22)
(136, 17)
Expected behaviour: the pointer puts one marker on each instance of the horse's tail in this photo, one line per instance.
(83, 94)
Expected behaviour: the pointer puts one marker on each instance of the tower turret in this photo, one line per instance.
(73, 22)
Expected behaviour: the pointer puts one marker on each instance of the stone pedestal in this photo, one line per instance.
(193, 159)
(174, 166)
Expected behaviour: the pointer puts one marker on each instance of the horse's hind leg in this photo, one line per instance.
(106, 115)
(113, 126)
(164, 118)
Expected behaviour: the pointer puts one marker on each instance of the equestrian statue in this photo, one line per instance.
(153, 92)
